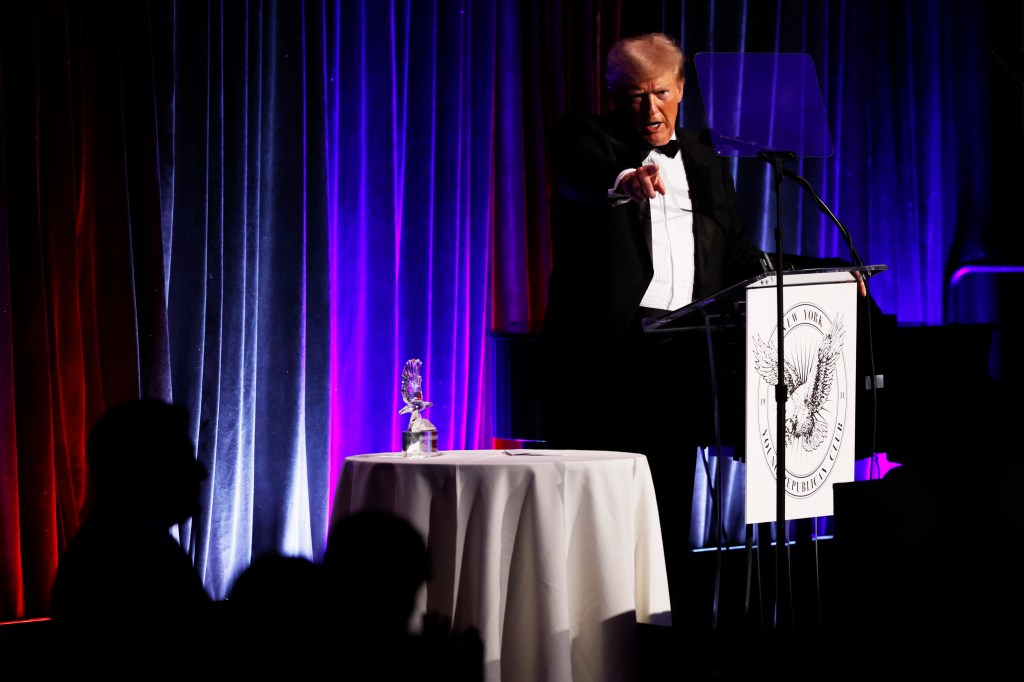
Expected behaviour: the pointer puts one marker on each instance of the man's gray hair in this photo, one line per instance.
(642, 57)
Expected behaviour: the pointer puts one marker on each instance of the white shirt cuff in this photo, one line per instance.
(614, 195)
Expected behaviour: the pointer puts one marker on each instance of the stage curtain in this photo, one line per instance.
(261, 210)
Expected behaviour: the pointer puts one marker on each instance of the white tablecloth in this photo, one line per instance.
(554, 556)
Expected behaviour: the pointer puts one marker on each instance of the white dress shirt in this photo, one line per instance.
(671, 234)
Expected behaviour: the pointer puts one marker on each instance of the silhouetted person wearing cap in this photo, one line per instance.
(125, 588)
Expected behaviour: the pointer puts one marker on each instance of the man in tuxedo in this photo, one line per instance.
(644, 221)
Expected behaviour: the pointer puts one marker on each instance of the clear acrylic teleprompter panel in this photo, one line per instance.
(759, 102)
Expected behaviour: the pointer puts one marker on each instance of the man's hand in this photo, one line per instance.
(642, 184)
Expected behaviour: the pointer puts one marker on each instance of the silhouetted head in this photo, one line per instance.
(142, 458)
(275, 606)
(277, 587)
(375, 564)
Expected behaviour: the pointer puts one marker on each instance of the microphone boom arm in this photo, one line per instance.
(825, 209)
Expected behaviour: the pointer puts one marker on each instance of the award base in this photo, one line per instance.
(419, 443)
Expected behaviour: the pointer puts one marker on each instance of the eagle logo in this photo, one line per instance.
(808, 380)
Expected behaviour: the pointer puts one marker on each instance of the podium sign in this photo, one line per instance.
(819, 342)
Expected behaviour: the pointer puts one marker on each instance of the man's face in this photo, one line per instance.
(654, 105)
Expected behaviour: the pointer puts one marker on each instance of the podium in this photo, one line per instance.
(819, 320)
(816, 309)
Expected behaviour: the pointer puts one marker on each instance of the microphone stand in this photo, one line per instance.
(824, 209)
(783, 591)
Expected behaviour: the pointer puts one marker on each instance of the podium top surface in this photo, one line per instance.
(731, 299)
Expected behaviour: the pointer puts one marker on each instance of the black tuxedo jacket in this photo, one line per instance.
(602, 262)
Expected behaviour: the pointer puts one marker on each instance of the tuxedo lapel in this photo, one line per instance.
(698, 177)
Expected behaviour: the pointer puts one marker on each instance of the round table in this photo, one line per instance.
(553, 555)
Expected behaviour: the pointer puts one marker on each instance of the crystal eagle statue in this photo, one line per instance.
(420, 440)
